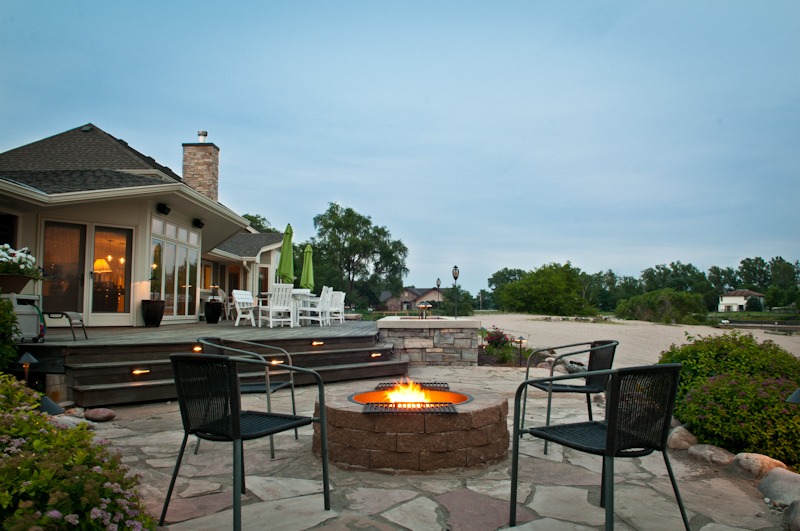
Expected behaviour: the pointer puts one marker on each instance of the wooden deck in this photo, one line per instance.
(100, 370)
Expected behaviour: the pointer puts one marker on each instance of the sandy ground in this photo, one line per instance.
(640, 343)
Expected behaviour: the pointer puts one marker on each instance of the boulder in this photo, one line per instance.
(99, 414)
(712, 454)
(780, 486)
(755, 465)
(681, 439)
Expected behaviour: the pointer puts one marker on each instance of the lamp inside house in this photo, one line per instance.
(101, 266)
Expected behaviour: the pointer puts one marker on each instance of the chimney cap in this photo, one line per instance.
(202, 135)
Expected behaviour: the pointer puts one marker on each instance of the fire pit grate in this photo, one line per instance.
(409, 408)
(432, 386)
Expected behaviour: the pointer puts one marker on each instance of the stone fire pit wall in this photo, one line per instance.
(476, 436)
(437, 341)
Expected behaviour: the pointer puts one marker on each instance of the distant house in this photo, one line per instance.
(736, 300)
(410, 298)
(111, 227)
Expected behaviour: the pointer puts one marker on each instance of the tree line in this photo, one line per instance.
(354, 255)
(566, 290)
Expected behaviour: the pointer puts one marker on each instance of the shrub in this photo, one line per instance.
(732, 394)
(732, 352)
(664, 306)
(8, 330)
(503, 354)
(497, 338)
(744, 413)
(52, 478)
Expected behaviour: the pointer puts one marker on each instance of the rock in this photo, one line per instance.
(560, 369)
(681, 439)
(755, 465)
(712, 454)
(66, 422)
(674, 423)
(791, 517)
(99, 414)
(781, 486)
(76, 412)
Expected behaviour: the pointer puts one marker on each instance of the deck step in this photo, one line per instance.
(106, 394)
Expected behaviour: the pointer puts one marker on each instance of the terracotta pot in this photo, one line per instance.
(13, 283)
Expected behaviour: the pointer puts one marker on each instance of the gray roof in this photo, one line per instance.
(249, 244)
(84, 148)
(63, 181)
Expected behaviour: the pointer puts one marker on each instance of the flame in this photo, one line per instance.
(407, 392)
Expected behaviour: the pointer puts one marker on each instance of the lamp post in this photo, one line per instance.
(26, 360)
(438, 294)
(455, 286)
(520, 340)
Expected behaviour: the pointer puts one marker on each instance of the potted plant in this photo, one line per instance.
(17, 268)
(153, 309)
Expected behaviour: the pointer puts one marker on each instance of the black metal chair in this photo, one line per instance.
(210, 404)
(601, 357)
(639, 409)
(277, 357)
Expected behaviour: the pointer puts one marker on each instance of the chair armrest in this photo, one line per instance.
(558, 356)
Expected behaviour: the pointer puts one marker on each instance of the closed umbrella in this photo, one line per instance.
(307, 277)
(286, 262)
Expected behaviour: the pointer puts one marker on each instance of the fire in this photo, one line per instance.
(407, 392)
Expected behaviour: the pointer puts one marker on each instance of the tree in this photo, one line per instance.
(466, 304)
(260, 223)
(680, 277)
(754, 274)
(353, 255)
(505, 276)
(664, 306)
(723, 279)
(553, 289)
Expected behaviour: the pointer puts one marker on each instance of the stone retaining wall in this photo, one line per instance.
(440, 341)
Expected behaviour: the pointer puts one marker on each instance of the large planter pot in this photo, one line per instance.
(152, 311)
(13, 283)
(213, 311)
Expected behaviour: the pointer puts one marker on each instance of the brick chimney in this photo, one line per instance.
(201, 166)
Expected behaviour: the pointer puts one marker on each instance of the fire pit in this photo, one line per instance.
(445, 429)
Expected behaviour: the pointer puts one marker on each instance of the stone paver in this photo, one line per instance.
(557, 492)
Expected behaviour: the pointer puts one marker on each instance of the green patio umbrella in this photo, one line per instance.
(286, 262)
(307, 277)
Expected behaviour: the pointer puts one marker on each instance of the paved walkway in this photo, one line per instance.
(559, 491)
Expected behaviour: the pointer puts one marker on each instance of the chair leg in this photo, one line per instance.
(172, 481)
(607, 492)
(547, 422)
(238, 489)
(589, 405)
(677, 493)
(197, 446)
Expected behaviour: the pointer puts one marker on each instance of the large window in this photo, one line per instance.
(175, 258)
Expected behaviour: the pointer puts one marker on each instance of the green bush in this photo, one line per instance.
(744, 413)
(732, 394)
(8, 329)
(664, 306)
(732, 352)
(53, 478)
(503, 354)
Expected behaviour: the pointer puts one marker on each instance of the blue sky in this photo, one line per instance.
(614, 135)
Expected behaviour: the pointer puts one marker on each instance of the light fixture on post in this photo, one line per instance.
(438, 293)
(455, 286)
(162, 208)
(519, 340)
(26, 360)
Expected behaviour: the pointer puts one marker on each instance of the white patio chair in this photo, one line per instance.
(317, 310)
(245, 305)
(227, 303)
(336, 310)
(278, 308)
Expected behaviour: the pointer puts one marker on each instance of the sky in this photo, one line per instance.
(614, 135)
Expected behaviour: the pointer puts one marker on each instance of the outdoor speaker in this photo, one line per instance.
(163, 209)
(198, 223)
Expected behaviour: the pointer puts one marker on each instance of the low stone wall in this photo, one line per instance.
(436, 341)
(476, 436)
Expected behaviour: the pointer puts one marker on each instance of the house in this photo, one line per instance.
(410, 298)
(736, 300)
(111, 228)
